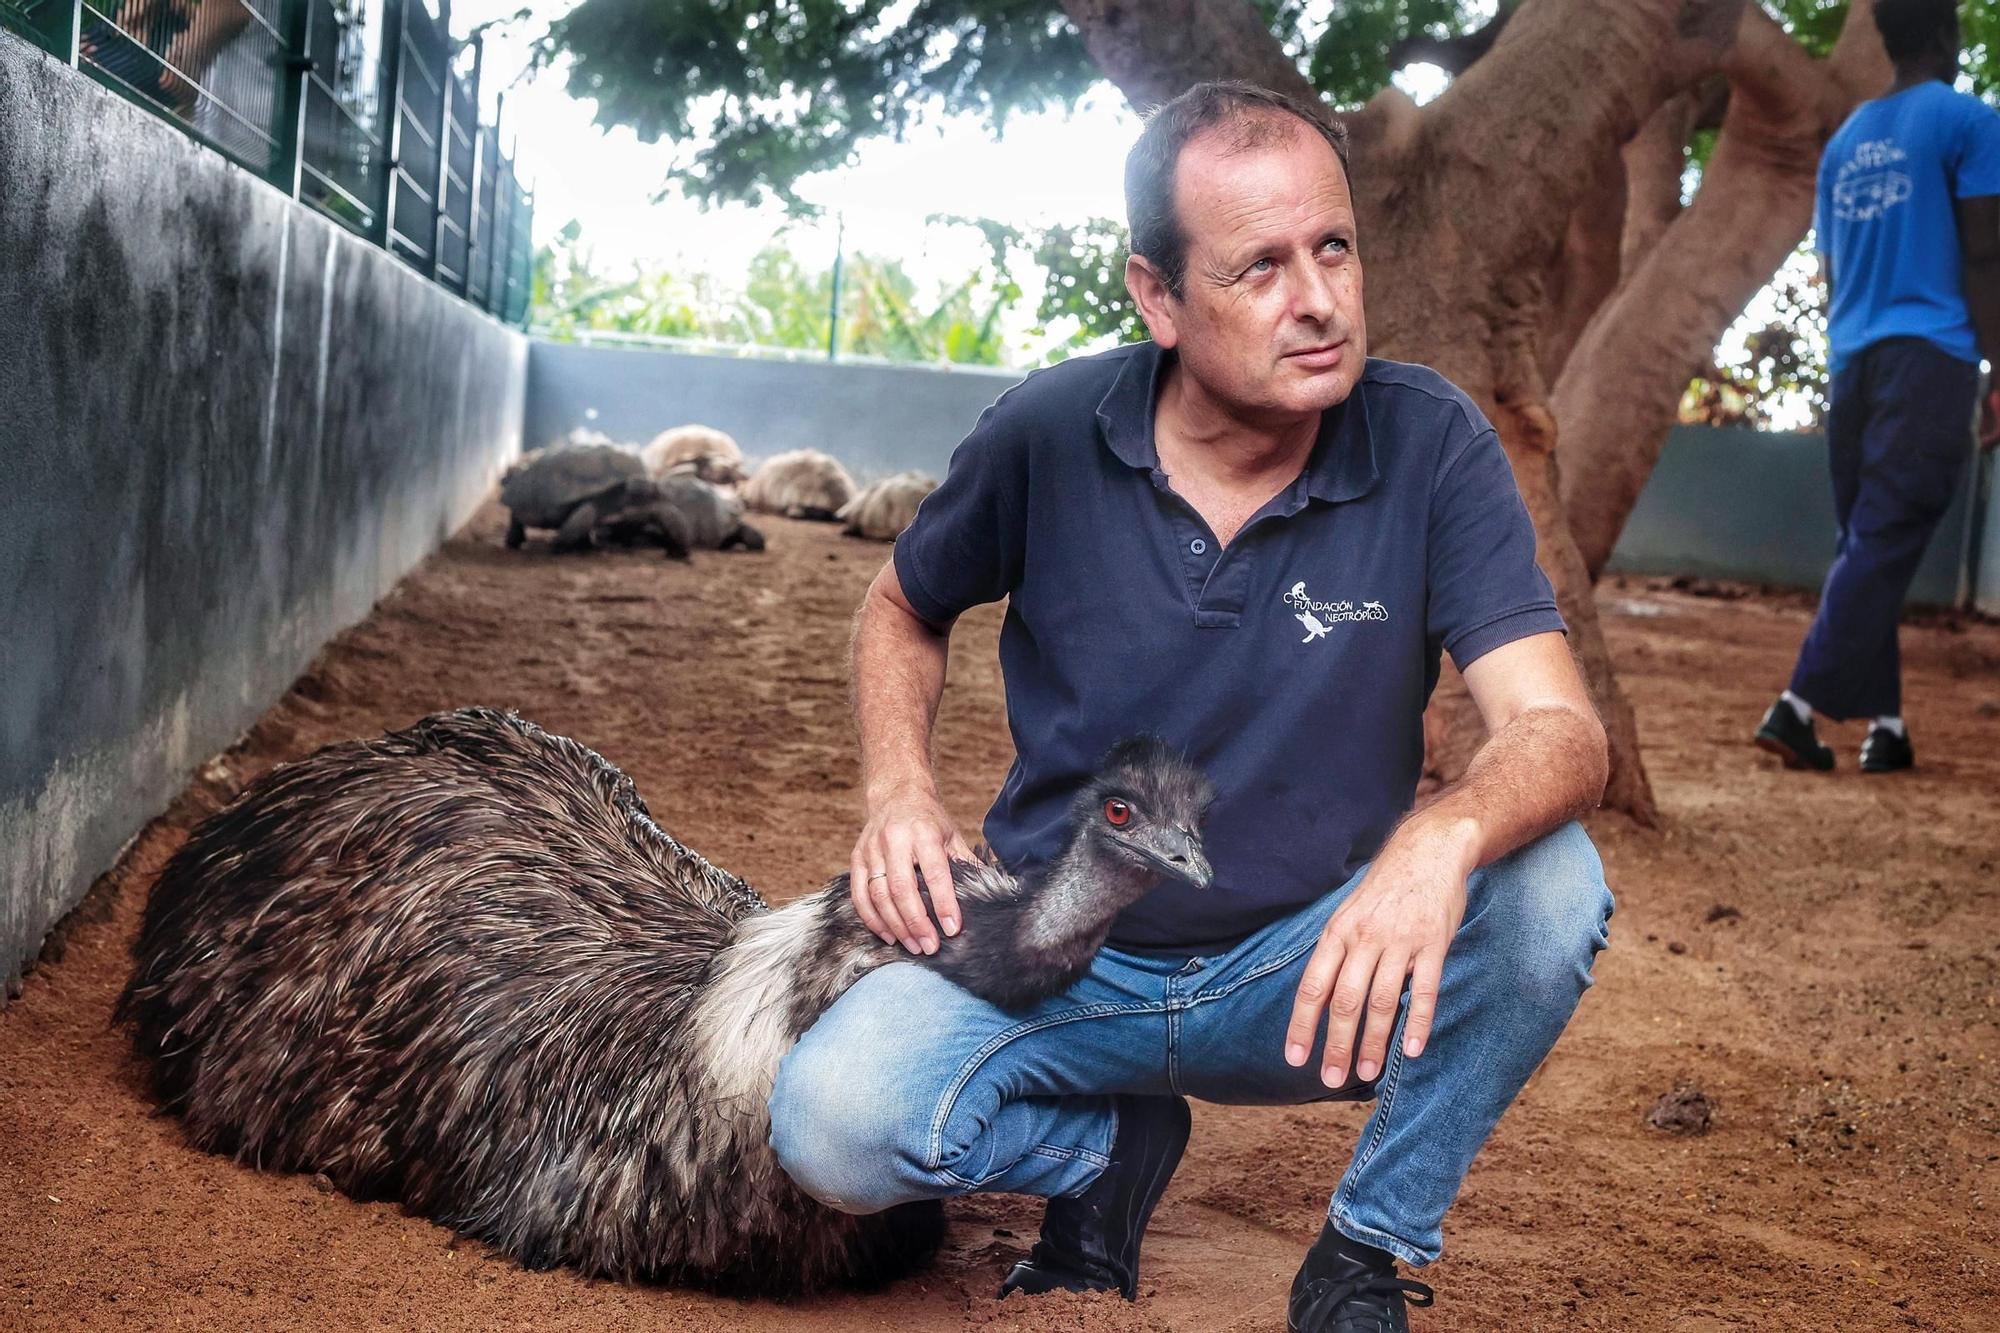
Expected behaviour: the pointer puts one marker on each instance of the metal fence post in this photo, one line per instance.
(56, 27)
(503, 250)
(527, 261)
(289, 150)
(501, 238)
(475, 177)
(392, 90)
(448, 82)
(833, 305)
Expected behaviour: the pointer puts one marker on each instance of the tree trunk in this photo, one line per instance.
(1617, 395)
(1654, 161)
(1587, 268)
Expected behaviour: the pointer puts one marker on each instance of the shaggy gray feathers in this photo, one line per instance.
(461, 967)
(449, 967)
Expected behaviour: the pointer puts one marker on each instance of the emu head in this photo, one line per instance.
(1143, 809)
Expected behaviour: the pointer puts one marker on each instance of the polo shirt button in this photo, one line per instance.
(1197, 546)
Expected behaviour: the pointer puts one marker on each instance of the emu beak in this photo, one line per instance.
(1177, 853)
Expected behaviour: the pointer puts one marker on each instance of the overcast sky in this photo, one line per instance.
(1049, 168)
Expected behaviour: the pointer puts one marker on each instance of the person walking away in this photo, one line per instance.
(1908, 226)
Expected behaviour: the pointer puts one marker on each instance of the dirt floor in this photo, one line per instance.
(1818, 955)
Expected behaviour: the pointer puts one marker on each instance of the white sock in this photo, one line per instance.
(1892, 724)
(1799, 706)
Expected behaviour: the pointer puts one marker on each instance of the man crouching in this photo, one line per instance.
(1250, 538)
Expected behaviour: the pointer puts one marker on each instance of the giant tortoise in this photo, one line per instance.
(568, 489)
(682, 509)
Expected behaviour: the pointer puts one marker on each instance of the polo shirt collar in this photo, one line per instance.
(1342, 463)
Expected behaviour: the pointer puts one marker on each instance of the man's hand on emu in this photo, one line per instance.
(907, 831)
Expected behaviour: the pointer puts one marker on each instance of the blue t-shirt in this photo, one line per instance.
(1293, 665)
(1885, 221)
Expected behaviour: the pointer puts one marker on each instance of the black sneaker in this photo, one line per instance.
(1793, 741)
(1345, 1286)
(1885, 752)
(1090, 1241)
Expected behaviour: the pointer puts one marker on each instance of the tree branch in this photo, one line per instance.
(1454, 55)
(1654, 161)
(1155, 49)
(1616, 397)
(1599, 80)
(1587, 268)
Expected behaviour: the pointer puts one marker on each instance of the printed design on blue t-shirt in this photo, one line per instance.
(1319, 618)
(1868, 184)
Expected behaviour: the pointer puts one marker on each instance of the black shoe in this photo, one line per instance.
(1793, 741)
(1885, 752)
(1090, 1242)
(1345, 1286)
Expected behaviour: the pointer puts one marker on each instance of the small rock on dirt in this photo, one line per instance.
(1685, 1110)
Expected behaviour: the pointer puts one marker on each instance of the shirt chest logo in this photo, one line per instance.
(1319, 618)
(1868, 184)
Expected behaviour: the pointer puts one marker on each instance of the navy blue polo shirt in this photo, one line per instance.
(1292, 665)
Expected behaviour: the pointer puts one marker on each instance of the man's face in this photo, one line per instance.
(1269, 319)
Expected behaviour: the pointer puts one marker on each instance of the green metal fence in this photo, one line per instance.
(365, 110)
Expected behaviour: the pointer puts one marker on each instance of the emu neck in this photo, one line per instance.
(1081, 892)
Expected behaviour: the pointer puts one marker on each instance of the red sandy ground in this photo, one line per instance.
(1818, 954)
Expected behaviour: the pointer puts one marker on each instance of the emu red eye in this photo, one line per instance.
(1117, 813)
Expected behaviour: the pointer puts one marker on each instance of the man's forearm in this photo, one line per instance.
(1979, 259)
(1545, 767)
(899, 667)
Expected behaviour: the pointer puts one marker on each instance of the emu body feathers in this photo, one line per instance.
(461, 967)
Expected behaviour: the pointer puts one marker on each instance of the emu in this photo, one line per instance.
(459, 966)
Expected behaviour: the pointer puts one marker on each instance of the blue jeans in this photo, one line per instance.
(912, 1088)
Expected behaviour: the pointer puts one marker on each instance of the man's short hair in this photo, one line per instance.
(1252, 116)
(1912, 28)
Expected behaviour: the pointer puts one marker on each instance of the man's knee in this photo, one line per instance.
(1548, 911)
(823, 1137)
(849, 1121)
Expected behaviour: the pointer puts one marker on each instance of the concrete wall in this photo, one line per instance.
(1743, 504)
(874, 419)
(226, 428)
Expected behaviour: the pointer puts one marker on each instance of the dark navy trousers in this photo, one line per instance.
(1899, 432)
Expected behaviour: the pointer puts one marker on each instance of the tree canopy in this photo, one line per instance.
(767, 91)
(775, 89)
